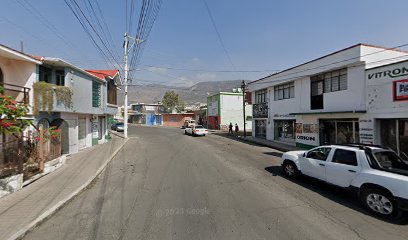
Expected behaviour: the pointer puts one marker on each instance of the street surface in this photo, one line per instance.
(165, 185)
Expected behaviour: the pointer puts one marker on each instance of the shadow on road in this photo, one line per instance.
(233, 137)
(275, 154)
(339, 195)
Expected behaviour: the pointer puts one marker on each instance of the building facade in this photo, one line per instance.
(318, 102)
(386, 121)
(61, 95)
(224, 108)
(147, 114)
(176, 119)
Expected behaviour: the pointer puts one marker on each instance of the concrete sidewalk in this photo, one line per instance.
(263, 142)
(23, 210)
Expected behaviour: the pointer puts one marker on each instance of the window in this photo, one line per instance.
(173, 118)
(260, 96)
(60, 77)
(96, 94)
(284, 91)
(346, 157)
(319, 153)
(333, 81)
(112, 92)
(44, 74)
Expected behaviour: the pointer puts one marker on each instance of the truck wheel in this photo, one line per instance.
(379, 202)
(290, 169)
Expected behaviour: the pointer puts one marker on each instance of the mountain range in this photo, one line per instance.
(152, 93)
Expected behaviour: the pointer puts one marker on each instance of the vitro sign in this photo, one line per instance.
(396, 72)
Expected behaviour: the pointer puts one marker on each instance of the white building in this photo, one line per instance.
(320, 101)
(386, 121)
(224, 108)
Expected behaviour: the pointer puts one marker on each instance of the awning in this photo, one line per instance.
(315, 113)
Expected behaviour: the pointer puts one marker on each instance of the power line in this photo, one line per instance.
(208, 70)
(87, 27)
(219, 35)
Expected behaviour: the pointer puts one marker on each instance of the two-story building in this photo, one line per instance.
(224, 108)
(320, 101)
(146, 113)
(62, 95)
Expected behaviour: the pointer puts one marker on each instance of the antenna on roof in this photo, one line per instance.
(22, 46)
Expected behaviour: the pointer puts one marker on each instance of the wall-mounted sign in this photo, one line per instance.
(299, 128)
(400, 89)
(307, 138)
(396, 72)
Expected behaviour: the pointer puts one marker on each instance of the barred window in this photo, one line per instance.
(260, 96)
(284, 91)
(96, 94)
(333, 81)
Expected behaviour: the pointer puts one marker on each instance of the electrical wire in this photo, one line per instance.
(219, 35)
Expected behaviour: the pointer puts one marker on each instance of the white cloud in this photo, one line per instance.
(206, 76)
(183, 81)
(196, 59)
(157, 70)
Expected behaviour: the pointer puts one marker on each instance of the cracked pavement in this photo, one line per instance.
(165, 185)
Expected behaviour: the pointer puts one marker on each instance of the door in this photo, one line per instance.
(343, 168)
(316, 96)
(81, 133)
(314, 163)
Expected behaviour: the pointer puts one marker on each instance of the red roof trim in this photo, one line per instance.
(102, 74)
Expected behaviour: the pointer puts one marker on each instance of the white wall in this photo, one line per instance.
(232, 111)
(20, 73)
(380, 101)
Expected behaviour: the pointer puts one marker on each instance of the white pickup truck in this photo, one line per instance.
(377, 174)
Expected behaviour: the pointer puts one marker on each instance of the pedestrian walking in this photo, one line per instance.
(230, 129)
(236, 129)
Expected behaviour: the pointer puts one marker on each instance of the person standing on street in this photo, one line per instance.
(236, 129)
(230, 129)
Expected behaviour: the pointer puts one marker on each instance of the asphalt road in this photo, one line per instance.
(165, 185)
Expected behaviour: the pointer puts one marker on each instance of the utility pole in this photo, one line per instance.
(243, 88)
(126, 69)
(125, 116)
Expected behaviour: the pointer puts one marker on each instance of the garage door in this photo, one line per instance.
(81, 133)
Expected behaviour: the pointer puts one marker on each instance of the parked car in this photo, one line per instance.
(196, 130)
(188, 123)
(118, 127)
(377, 174)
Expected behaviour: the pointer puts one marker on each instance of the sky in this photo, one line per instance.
(259, 36)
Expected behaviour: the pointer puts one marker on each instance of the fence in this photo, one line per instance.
(27, 155)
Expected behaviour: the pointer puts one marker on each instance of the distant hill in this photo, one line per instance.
(196, 93)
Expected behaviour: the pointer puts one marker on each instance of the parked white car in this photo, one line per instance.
(377, 174)
(196, 130)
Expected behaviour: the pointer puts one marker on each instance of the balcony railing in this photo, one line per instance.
(19, 93)
(260, 110)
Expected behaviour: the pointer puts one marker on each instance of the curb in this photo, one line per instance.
(22, 232)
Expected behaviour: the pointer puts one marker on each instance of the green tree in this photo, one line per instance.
(172, 100)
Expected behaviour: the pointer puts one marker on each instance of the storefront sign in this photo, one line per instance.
(400, 90)
(282, 116)
(299, 128)
(397, 72)
(307, 138)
